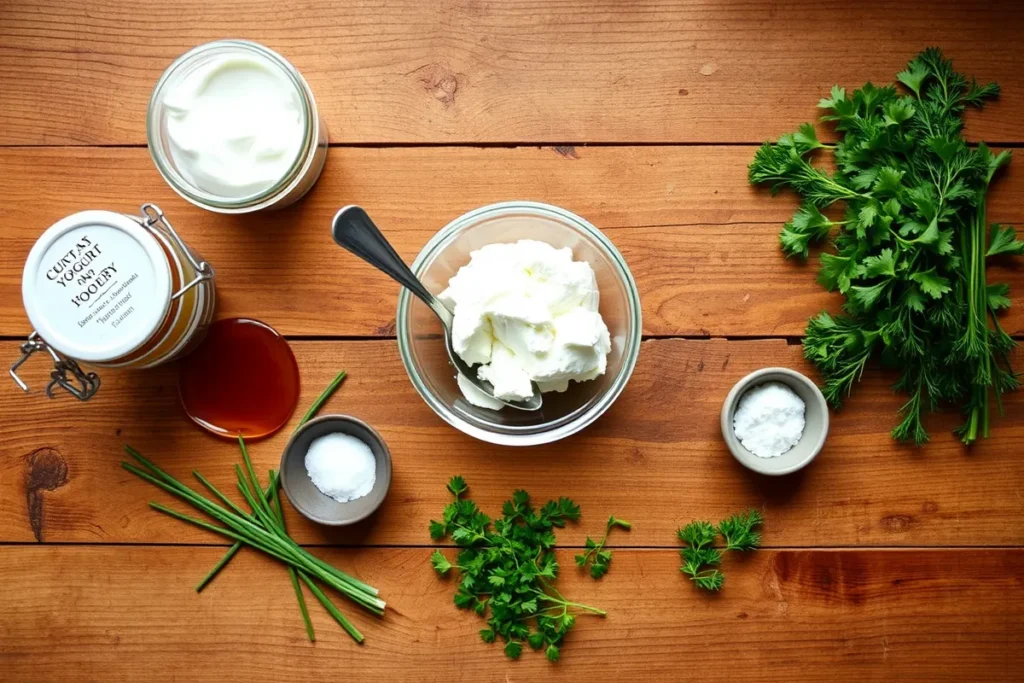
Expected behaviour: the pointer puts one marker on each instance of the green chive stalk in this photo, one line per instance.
(292, 572)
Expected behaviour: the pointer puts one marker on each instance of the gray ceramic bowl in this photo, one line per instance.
(815, 417)
(306, 497)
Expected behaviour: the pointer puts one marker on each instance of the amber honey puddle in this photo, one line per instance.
(242, 380)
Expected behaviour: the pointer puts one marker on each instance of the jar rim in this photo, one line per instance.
(303, 159)
(531, 435)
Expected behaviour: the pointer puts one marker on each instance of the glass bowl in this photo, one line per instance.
(421, 339)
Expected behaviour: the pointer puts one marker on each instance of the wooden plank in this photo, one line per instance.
(701, 242)
(77, 72)
(656, 459)
(128, 614)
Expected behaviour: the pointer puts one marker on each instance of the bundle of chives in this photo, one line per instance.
(262, 529)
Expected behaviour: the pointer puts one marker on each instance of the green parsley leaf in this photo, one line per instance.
(837, 272)
(440, 563)
(1003, 240)
(513, 649)
(808, 226)
(998, 296)
(931, 283)
(599, 558)
(882, 265)
(992, 162)
(865, 297)
(899, 111)
(888, 182)
(914, 299)
(457, 486)
(930, 235)
(914, 75)
(806, 138)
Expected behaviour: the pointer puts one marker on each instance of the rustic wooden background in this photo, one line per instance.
(881, 563)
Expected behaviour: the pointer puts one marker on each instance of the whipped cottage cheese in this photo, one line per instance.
(526, 312)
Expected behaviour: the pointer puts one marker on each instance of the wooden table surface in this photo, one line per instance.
(881, 562)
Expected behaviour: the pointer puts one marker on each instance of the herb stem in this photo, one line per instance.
(322, 398)
(220, 565)
(292, 576)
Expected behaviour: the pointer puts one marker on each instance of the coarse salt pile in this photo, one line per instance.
(769, 419)
(341, 466)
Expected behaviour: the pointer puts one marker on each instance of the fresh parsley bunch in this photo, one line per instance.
(507, 567)
(911, 247)
(700, 559)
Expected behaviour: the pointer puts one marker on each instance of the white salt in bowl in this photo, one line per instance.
(815, 419)
(306, 498)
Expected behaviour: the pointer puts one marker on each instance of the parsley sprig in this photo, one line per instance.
(698, 555)
(701, 559)
(912, 246)
(594, 552)
(506, 568)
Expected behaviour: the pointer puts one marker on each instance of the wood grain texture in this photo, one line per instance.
(656, 459)
(75, 72)
(128, 614)
(702, 244)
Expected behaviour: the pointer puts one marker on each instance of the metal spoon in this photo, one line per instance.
(353, 230)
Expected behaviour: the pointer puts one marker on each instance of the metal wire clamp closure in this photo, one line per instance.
(66, 373)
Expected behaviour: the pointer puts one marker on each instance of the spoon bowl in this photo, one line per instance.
(354, 231)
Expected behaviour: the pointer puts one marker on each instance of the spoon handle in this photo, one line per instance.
(353, 230)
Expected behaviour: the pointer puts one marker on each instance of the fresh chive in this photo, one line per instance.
(217, 492)
(322, 398)
(271, 490)
(334, 612)
(220, 565)
(253, 481)
(279, 514)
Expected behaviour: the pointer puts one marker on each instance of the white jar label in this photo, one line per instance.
(93, 286)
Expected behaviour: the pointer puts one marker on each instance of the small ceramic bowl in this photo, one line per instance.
(306, 497)
(815, 417)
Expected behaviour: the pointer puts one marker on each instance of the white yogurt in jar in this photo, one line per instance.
(235, 125)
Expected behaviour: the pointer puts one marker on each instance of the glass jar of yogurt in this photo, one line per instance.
(233, 127)
(112, 290)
